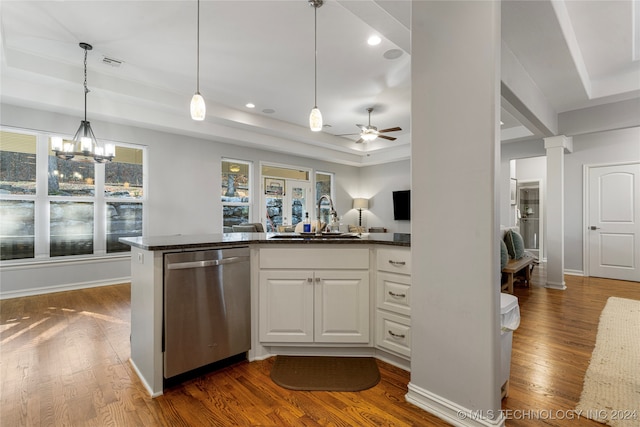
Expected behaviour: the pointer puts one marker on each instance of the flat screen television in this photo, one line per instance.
(402, 205)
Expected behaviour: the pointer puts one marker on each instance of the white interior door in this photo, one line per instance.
(614, 221)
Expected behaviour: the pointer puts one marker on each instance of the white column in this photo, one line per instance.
(556, 147)
(455, 156)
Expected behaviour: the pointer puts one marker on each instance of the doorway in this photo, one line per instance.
(530, 216)
(286, 196)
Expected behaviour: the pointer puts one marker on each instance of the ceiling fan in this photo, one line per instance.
(369, 133)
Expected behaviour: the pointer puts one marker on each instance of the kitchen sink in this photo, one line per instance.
(314, 236)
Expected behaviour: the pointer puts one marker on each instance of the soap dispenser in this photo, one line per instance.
(306, 225)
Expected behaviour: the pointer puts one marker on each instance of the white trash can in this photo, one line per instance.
(509, 322)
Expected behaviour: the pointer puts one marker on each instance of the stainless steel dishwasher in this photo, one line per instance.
(207, 309)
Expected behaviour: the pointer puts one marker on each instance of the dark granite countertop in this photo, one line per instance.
(179, 241)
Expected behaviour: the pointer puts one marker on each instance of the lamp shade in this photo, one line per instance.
(360, 203)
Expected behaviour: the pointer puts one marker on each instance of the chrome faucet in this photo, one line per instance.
(333, 213)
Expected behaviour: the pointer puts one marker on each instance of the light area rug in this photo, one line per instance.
(611, 391)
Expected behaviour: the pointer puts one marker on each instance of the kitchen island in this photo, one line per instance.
(309, 295)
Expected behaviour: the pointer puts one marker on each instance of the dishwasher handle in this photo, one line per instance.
(206, 263)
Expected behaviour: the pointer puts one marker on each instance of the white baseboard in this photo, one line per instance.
(574, 272)
(555, 285)
(143, 381)
(392, 359)
(62, 288)
(450, 411)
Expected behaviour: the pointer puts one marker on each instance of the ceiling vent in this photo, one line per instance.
(111, 61)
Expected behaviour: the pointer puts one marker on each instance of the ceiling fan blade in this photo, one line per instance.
(348, 134)
(390, 130)
(360, 141)
(390, 138)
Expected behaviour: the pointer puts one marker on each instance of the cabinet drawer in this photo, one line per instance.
(393, 292)
(394, 260)
(393, 332)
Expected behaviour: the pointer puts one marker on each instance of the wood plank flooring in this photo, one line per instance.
(552, 348)
(64, 361)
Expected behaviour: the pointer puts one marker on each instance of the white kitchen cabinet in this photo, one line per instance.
(306, 303)
(393, 300)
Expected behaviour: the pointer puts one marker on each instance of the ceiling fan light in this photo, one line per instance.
(198, 107)
(315, 120)
(368, 136)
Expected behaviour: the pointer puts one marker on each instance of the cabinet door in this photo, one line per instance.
(286, 306)
(342, 306)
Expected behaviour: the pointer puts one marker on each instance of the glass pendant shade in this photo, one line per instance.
(315, 120)
(198, 107)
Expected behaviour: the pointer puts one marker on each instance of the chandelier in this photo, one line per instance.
(84, 146)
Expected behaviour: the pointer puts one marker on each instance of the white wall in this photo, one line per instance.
(377, 184)
(183, 194)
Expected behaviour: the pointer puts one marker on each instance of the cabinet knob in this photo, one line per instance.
(309, 279)
(392, 262)
(317, 279)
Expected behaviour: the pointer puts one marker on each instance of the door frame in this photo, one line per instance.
(586, 190)
(542, 256)
(262, 199)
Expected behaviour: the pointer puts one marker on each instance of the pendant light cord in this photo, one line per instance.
(315, 58)
(198, 52)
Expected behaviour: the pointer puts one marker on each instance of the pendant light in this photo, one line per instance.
(198, 107)
(84, 146)
(315, 118)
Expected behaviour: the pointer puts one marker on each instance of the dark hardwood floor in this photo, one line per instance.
(64, 361)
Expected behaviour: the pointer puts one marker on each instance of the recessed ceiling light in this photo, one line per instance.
(374, 40)
(392, 54)
(268, 111)
(250, 105)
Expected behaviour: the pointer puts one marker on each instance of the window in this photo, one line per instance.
(236, 193)
(71, 228)
(17, 236)
(51, 207)
(124, 219)
(324, 185)
(18, 190)
(123, 192)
